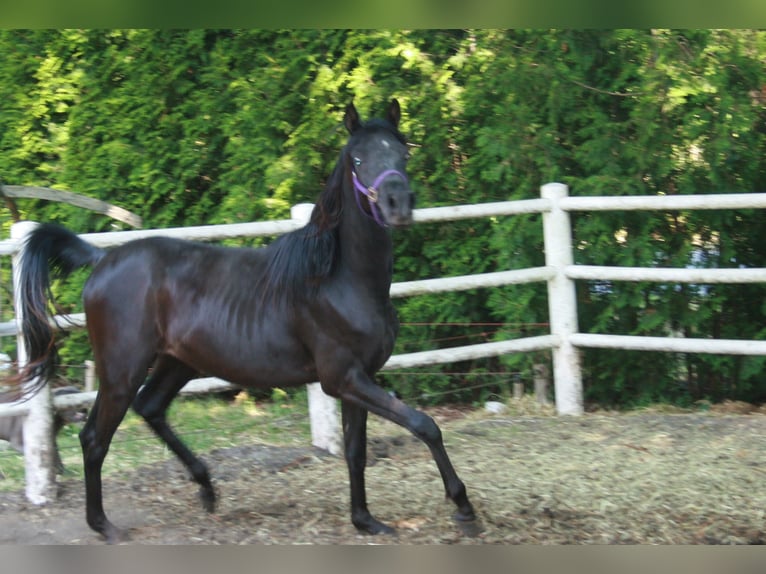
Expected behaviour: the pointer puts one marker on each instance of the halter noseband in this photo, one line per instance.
(371, 193)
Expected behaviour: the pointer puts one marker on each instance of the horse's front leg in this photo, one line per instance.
(355, 443)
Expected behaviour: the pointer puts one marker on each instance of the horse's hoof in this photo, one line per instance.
(373, 526)
(380, 528)
(114, 535)
(207, 496)
(469, 526)
(471, 529)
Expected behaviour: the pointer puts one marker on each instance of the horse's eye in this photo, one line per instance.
(357, 162)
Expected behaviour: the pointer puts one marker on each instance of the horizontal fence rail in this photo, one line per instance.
(559, 272)
(465, 282)
(665, 275)
(671, 344)
(493, 209)
(468, 352)
(403, 361)
(664, 202)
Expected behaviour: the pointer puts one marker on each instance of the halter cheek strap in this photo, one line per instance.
(371, 193)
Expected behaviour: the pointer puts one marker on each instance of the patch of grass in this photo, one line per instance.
(203, 423)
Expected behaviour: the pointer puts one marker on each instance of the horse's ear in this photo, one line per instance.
(351, 119)
(394, 113)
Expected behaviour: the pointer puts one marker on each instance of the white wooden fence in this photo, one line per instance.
(559, 272)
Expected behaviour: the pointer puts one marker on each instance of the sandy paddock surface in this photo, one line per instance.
(639, 478)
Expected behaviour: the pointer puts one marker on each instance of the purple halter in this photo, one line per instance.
(371, 193)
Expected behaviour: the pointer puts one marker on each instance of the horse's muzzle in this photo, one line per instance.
(397, 207)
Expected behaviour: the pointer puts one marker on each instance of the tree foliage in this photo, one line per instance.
(213, 126)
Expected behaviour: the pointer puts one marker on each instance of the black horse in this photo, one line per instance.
(313, 305)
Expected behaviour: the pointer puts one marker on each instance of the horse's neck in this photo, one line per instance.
(366, 249)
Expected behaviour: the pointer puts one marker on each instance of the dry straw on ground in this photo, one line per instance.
(647, 477)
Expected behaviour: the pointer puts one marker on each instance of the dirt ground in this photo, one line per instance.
(641, 478)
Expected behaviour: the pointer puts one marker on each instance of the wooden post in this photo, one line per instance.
(40, 475)
(542, 382)
(562, 302)
(323, 409)
(90, 376)
(518, 387)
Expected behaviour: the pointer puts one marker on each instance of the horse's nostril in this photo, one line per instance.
(391, 202)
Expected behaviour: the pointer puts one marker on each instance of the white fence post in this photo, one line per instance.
(562, 302)
(90, 376)
(323, 409)
(40, 475)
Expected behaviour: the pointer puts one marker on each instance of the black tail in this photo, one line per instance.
(50, 251)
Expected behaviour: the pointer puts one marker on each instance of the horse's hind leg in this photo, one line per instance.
(109, 409)
(168, 377)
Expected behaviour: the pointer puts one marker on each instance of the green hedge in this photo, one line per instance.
(215, 126)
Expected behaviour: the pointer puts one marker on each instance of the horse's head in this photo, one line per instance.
(377, 154)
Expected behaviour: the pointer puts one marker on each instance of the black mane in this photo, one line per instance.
(306, 256)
